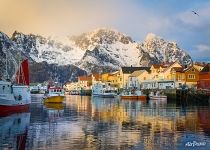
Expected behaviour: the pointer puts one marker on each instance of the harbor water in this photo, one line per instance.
(84, 122)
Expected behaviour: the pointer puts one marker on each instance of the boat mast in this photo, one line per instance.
(7, 75)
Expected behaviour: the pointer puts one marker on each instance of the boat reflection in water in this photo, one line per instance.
(13, 131)
(54, 111)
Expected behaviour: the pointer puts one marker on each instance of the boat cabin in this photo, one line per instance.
(6, 87)
(56, 90)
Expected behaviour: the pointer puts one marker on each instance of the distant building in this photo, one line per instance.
(204, 78)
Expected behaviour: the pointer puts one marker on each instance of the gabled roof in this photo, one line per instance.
(177, 69)
(129, 70)
(190, 67)
(157, 66)
(84, 78)
(206, 68)
(137, 73)
(171, 65)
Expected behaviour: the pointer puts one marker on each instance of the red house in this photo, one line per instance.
(204, 78)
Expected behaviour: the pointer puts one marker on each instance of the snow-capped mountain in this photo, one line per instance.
(100, 50)
(110, 48)
(41, 49)
(21, 46)
(160, 50)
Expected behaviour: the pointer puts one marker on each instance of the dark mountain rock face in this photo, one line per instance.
(40, 72)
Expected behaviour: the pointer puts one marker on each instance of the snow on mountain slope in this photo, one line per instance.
(164, 51)
(43, 49)
(110, 48)
(101, 48)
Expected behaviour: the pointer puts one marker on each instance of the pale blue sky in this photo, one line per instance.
(171, 19)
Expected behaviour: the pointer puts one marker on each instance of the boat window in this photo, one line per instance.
(54, 90)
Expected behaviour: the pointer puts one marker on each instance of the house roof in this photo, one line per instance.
(84, 78)
(171, 65)
(190, 67)
(97, 76)
(137, 73)
(206, 68)
(156, 66)
(129, 70)
(200, 64)
(177, 69)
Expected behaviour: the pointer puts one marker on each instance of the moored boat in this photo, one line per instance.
(157, 96)
(134, 95)
(55, 95)
(103, 90)
(16, 98)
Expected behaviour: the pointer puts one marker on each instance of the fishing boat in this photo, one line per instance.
(157, 96)
(16, 97)
(133, 95)
(103, 90)
(55, 95)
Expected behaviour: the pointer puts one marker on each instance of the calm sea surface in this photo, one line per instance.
(103, 123)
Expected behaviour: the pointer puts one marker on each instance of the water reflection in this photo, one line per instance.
(13, 131)
(104, 123)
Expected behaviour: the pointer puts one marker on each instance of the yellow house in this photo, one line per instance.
(191, 76)
(166, 73)
(178, 75)
(156, 69)
(188, 76)
(111, 78)
(143, 75)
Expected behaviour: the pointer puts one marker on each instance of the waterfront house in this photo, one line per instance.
(133, 81)
(166, 73)
(191, 76)
(111, 78)
(125, 72)
(204, 78)
(85, 82)
(156, 69)
(178, 75)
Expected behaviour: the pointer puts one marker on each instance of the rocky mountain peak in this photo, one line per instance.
(100, 36)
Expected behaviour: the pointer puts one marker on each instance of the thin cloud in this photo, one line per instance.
(203, 47)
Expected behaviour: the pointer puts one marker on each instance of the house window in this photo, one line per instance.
(193, 70)
(144, 78)
(191, 76)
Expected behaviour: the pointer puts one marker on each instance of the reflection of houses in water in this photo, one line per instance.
(154, 123)
(13, 131)
(80, 104)
(204, 120)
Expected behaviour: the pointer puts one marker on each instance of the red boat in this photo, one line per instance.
(16, 98)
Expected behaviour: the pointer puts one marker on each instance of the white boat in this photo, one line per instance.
(17, 97)
(103, 90)
(157, 96)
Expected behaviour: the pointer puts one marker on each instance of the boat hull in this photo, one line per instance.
(105, 95)
(10, 109)
(134, 97)
(158, 97)
(54, 99)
